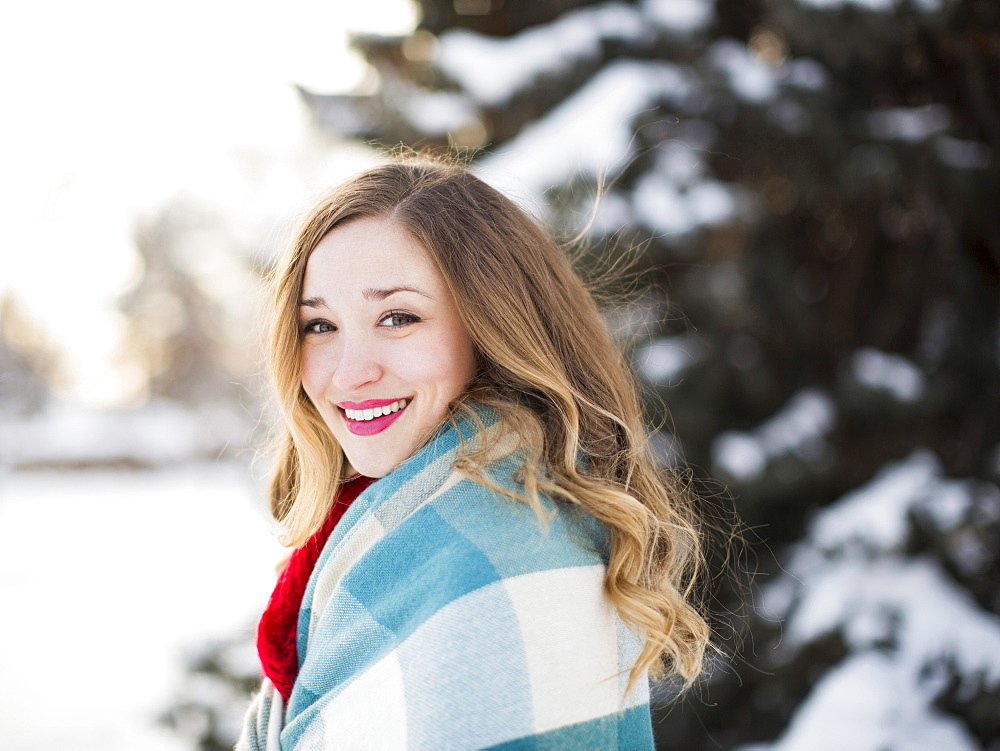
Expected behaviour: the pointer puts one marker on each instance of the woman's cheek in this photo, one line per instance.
(448, 361)
(310, 371)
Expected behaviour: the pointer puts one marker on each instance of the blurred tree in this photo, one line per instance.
(26, 362)
(220, 681)
(819, 180)
(179, 311)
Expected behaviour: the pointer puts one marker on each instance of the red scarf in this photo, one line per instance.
(276, 634)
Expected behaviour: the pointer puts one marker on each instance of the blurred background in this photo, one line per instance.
(810, 192)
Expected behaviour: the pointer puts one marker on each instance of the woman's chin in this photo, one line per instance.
(372, 466)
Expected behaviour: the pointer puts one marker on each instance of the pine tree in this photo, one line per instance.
(819, 181)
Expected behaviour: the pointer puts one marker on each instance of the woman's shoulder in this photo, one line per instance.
(463, 538)
(430, 515)
(475, 521)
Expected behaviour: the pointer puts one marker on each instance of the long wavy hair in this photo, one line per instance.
(548, 365)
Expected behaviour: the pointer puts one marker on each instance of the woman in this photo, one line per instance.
(518, 566)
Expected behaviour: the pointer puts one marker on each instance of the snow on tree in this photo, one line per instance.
(874, 570)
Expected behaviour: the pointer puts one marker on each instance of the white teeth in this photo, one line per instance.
(364, 415)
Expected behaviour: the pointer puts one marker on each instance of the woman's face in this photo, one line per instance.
(384, 352)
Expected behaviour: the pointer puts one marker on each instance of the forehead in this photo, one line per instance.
(367, 252)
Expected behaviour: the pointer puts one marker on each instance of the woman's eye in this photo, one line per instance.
(395, 319)
(318, 327)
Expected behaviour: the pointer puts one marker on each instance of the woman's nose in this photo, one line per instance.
(357, 366)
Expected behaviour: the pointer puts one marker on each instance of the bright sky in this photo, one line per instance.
(112, 106)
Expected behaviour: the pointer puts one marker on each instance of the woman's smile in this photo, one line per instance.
(373, 415)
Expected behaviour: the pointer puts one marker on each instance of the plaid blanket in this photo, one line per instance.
(444, 615)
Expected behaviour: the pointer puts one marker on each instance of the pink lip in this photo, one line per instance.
(368, 403)
(376, 425)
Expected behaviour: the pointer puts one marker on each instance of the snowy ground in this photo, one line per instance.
(106, 580)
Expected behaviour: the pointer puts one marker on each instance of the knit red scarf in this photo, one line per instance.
(276, 634)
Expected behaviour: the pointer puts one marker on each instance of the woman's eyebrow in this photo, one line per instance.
(375, 294)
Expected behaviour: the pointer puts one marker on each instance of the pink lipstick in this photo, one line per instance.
(372, 416)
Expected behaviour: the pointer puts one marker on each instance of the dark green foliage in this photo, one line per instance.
(866, 186)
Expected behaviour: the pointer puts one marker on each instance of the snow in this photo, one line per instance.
(875, 6)
(683, 16)
(160, 433)
(892, 374)
(864, 704)
(907, 617)
(808, 416)
(848, 570)
(493, 70)
(799, 429)
(436, 112)
(674, 198)
(874, 515)
(750, 78)
(963, 154)
(113, 577)
(680, 161)
(908, 628)
(908, 603)
(711, 202)
(948, 502)
(660, 205)
(739, 455)
(589, 133)
(806, 73)
(663, 361)
(607, 214)
(671, 212)
(874, 519)
(872, 5)
(910, 124)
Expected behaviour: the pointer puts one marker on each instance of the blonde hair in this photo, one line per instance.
(549, 367)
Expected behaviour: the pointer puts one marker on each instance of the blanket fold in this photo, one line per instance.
(445, 615)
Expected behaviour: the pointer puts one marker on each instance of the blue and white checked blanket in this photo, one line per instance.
(443, 615)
